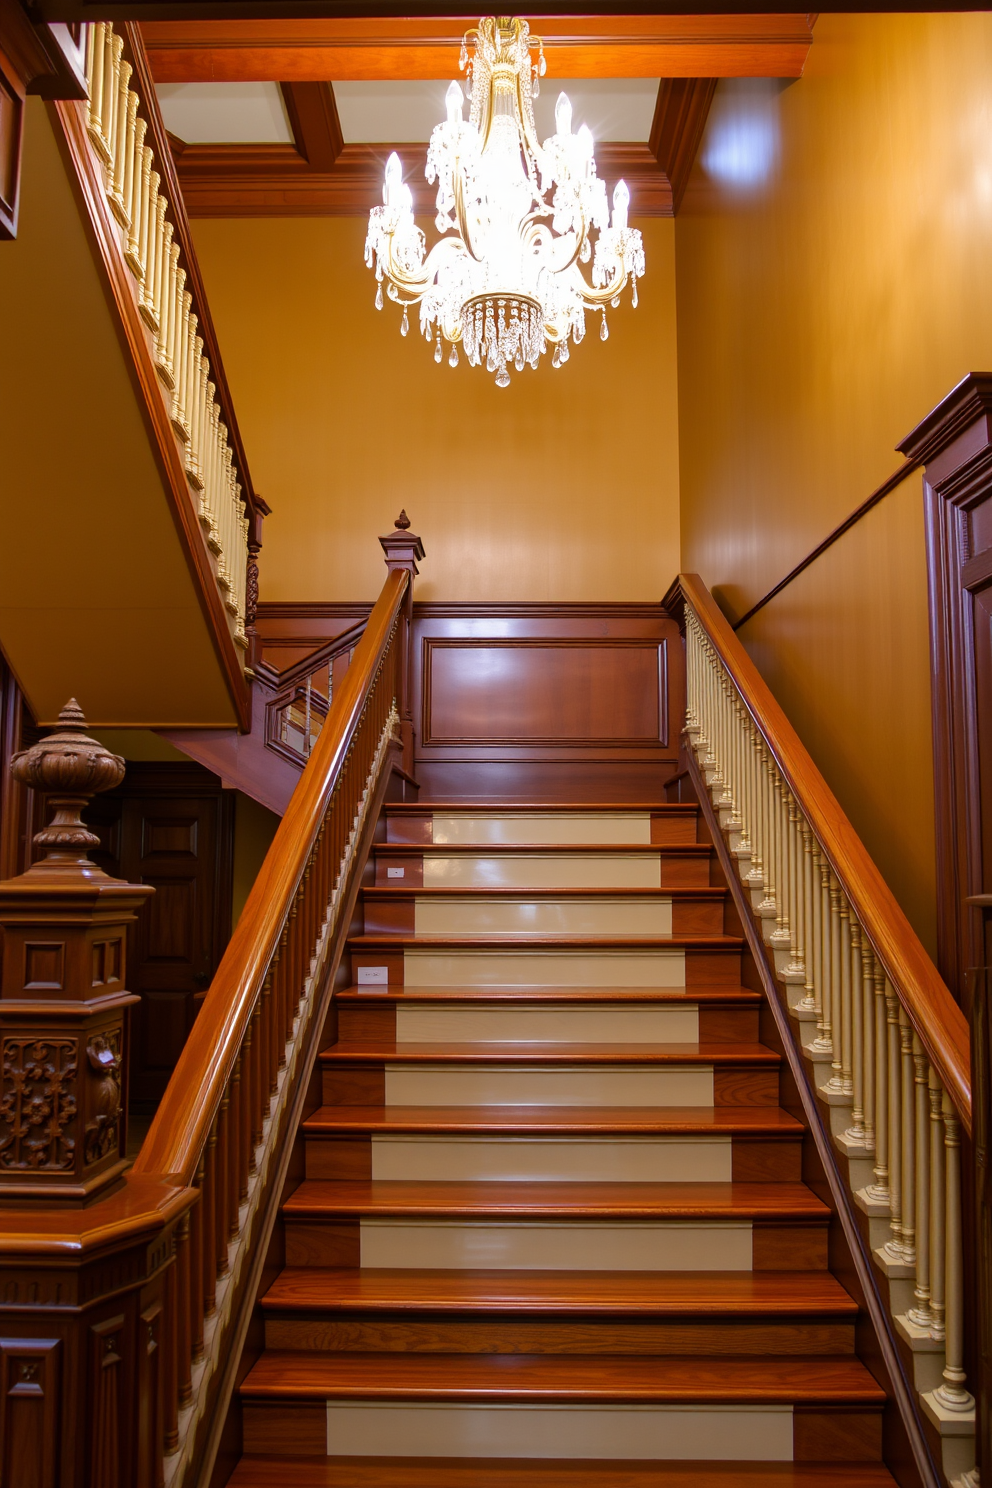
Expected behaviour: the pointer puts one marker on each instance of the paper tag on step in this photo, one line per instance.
(373, 976)
(395, 872)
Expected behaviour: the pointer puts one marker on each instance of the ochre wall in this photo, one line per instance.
(563, 486)
(824, 305)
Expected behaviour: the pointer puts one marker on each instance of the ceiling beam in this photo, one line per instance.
(601, 46)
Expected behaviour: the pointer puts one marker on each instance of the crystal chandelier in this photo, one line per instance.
(505, 280)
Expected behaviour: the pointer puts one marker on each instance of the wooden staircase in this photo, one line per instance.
(552, 1229)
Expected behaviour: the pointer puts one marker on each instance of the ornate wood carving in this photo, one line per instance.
(64, 1007)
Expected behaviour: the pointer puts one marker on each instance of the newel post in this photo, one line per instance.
(402, 549)
(258, 511)
(64, 1007)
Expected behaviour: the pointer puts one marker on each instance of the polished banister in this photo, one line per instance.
(936, 1018)
(175, 1139)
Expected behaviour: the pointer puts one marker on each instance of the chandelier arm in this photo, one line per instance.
(461, 218)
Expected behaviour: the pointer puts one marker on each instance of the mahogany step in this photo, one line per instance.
(398, 1472)
(474, 912)
(547, 1053)
(726, 1406)
(589, 865)
(768, 1122)
(304, 1375)
(389, 1013)
(568, 1312)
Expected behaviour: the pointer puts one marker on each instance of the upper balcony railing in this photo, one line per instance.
(124, 131)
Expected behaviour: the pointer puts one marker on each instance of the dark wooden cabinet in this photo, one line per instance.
(169, 826)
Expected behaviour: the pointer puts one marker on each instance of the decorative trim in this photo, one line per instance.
(680, 116)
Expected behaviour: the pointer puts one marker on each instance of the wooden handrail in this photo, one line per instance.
(179, 1130)
(329, 651)
(936, 1017)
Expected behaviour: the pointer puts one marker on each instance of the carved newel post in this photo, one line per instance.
(63, 1004)
(402, 549)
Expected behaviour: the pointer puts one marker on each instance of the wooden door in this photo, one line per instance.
(170, 826)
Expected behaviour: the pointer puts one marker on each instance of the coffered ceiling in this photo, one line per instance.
(297, 117)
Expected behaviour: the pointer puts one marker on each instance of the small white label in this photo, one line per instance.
(395, 872)
(373, 976)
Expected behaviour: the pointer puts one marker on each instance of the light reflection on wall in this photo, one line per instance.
(742, 145)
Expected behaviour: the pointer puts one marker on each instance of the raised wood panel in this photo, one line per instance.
(581, 692)
(556, 702)
(30, 1412)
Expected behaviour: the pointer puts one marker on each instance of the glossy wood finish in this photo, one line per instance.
(937, 1020)
(954, 444)
(392, 1472)
(545, 702)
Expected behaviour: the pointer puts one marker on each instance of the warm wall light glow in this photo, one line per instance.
(505, 280)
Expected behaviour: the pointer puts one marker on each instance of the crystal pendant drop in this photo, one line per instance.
(518, 360)
(405, 323)
(453, 358)
(437, 349)
(378, 297)
(633, 297)
(615, 302)
(556, 357)
(604, 330)
(563, 354)
(503, 377)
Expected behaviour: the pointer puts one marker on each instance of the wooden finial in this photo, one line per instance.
(402, 521)
(72, 768)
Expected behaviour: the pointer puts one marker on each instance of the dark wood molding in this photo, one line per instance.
(85, 174)
(322, 47)
(680, 116)
(313, 114)
(894, 481)
(34, 58)
(954, 444)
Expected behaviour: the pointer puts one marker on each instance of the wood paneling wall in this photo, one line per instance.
(546, 702)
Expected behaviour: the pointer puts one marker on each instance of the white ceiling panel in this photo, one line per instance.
(225, 113)
(406, 112)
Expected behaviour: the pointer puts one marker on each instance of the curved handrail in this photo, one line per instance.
(328, 652)
(181, 1125)
(936, 1018)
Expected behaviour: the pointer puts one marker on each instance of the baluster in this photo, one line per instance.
(893, 1246)
(96, 58)
(246, 1159)
(920, 1313)
(856, 1131)
(257, 1081)
(128, 175)
(186, 1300)
(178, 413)
(938, 1201)
(176, 324)
(951, 1393)
(163, 341)
(120, 148)
(846, 1030)
(907, 1104)
(169, 1382)
(195, 405)
(108, 109)
(868, 1041)
(233, 1201)
(836, 1082)
(878, 1191)
(209, 1206)
(223, 1126)
(821, 1044)
(270, 1017)
(808, 1003)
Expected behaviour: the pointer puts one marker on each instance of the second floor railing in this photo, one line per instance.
(126, 135)
(888, 1044)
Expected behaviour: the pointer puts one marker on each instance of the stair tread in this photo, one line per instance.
(540, 938)
(441, 891)
(571, 1293)
(534, 1052)
(768, 1121)
(489, 849)
(680, 996)
(540, 808)
(561, 1377)
(536, 1199)
(479, 1472)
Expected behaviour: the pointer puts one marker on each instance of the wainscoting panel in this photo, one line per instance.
(522, 702)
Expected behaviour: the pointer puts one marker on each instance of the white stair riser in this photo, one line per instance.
(634, 870)
(543, 917)
(556, 1245)
(548, 1085)
(548, 1160)
(509, 1023)
(715, 1433)
(661, 967)
(558, 826)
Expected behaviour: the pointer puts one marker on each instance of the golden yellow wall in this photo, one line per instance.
(820, 315)
(563, 486)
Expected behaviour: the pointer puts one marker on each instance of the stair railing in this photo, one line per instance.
(121, 128)
(227, 1111)
(888, 1044)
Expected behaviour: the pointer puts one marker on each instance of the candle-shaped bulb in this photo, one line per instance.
(585, 141)
(563, 114)
(454, 100)
(394, 178)
(621, 201)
